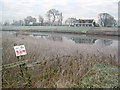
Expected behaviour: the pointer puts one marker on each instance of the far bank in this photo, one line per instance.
(113, 31)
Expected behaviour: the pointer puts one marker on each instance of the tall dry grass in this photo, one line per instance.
(61, 64)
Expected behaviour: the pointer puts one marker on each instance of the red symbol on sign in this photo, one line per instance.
(20, 52)
(17, 52)
(23, 51)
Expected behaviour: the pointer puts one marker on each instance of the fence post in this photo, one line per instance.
(24, 70)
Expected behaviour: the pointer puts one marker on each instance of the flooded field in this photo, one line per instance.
(79, 39)
(61, 60)
(74, 38)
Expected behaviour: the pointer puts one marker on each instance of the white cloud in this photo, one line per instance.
(19, 9)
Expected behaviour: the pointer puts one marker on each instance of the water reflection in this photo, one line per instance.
(114, 44)
(102, 42)
(111, 41)
(78, 39)
(65, 39)
(44, 36)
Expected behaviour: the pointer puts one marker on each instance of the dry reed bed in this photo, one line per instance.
(38, 49)
(60, 63)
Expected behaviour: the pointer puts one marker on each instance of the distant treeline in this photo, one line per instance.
(55, 18)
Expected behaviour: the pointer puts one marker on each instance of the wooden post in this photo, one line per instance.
(24, 70)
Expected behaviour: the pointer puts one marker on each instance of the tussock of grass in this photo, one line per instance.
(101, 76)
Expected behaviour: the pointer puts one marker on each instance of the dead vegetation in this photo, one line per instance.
(60, 64)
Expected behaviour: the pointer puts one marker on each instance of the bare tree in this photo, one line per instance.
(105, 19)
(17, 23)
(70, 21)
(60, 18)
(119, 13)
(41, 19)
(54, 15)
(26, 21)
(29, 20)
(6, 23)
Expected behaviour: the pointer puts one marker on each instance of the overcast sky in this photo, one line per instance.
(19, 9)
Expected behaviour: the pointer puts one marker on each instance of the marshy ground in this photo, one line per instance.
(60, 64)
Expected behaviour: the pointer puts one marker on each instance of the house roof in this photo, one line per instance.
(85, 20)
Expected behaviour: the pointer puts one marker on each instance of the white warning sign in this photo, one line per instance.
(20, 50)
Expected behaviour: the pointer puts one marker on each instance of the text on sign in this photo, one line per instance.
(20, 50)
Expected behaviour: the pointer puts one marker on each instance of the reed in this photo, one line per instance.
(60, 64)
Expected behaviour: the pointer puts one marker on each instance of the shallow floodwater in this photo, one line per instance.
(105, 41)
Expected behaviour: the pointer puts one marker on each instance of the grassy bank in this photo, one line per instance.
(60, 64)
(66, 29)
(48, 28)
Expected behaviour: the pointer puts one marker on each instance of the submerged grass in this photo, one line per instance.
(60, 64)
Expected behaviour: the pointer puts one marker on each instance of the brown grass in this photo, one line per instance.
(60, 63)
